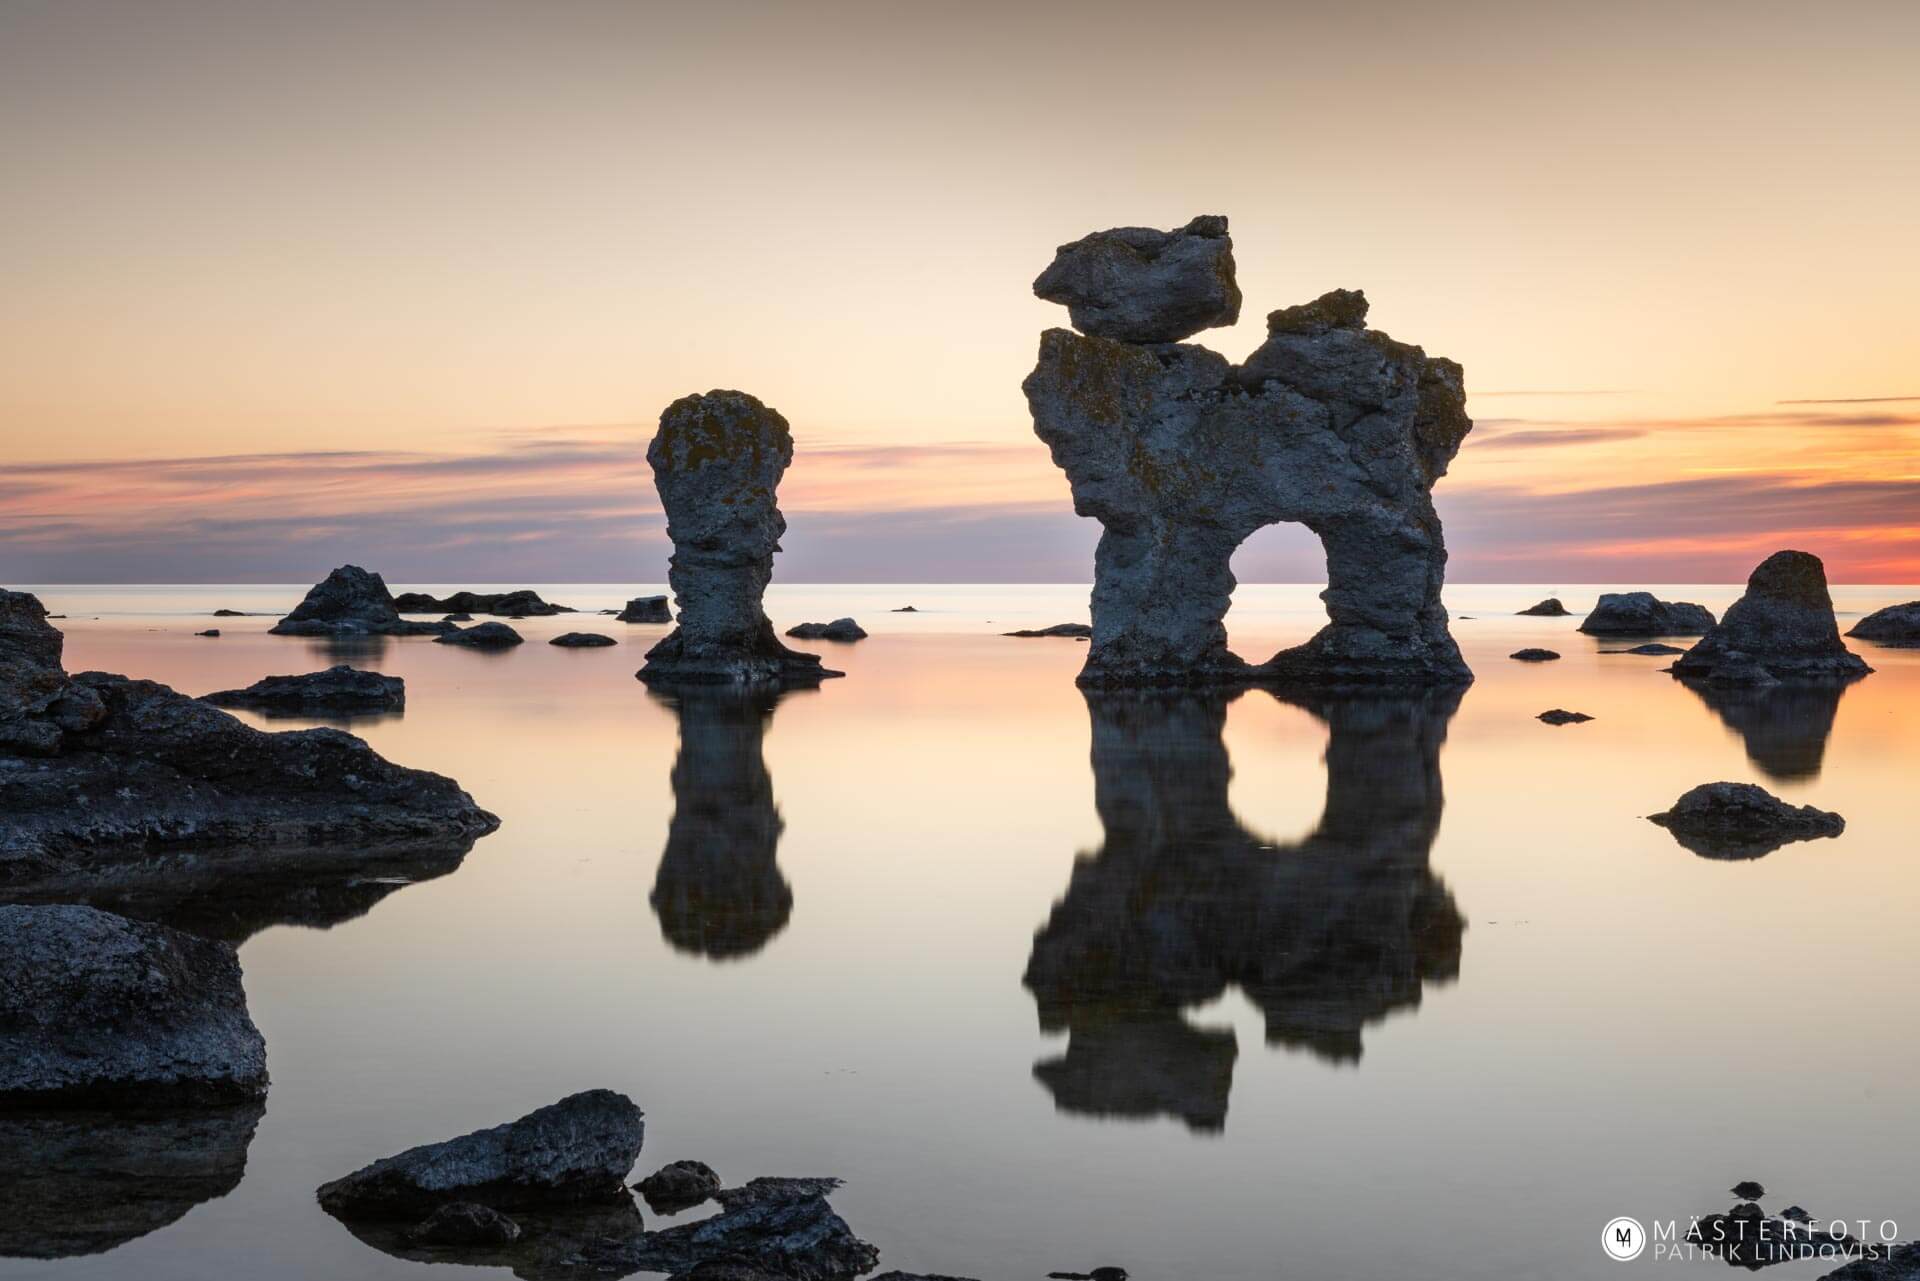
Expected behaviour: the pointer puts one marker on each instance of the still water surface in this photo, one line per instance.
(1207, 987)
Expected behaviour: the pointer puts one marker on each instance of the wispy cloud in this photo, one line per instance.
(1850, 400)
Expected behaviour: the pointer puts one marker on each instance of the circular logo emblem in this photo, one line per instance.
(1623, 1239)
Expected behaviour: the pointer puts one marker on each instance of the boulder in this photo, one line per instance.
(481, 636)
(645, 609)
(465, 1223)
(840, 629)
(101, 1012)
(337, 689)
(1741, 820)
(678, 1186)
(797, 1238)
(1895, 625)
(524, 603)
(1081, 631)
(577, 1150)
(1534, 655)
(1138, 285)
(1181, 455)
(1644, 614)
(1782, 629)
(717, 461)
(582, 640)
(351, 601)
(1561, 716)
(1548, 608)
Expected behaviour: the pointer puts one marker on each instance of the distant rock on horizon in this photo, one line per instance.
(1896, 625)
(1644, 614)
(351, 601)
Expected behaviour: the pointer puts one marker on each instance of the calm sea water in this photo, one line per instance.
(1206, 988)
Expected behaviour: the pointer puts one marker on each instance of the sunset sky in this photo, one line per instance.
(407, 283)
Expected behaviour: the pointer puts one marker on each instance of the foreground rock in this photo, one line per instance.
(1181, 455)
(1782, 629)
(338, 689)
(577, 1150)
(679, 1186)
(1082, 631)
(171, 783)
(1138, 285)
(1895, 625)
(351, 601)
(99, 1011)
(1644, 614)
(717, 461)
(645, 609)
(840, 629)
(1899, 1263)
(1534, 655)
(1548, 608)
(482, 636)
(525, 603)
(791, 1233)
(1740, 820)
(582, 640)
(1748, 1237)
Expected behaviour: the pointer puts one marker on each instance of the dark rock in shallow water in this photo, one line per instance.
(679, 1186)
(645, 609)
(100, 1011)
(717, 462)
(524, 603)
(340, 688)
(77, 1182)
(1748, 1190)
(230, 613)
(1561, 716)
(351, 601)
(1181, 456)
(1534, 655)
(482, 636)
(1747, 1237)
(1644, 614)
(577, 1150)
(458, 618)
(1548, 608)
(1740, 820)
(1782, 629)
(582, 640)
(1897, 625)
(1138, 285)
(915, 1276)
(1895, 1263)
(904, 609)
(211, 631)
(1058, 629)
(1651, 649)
(465, 1223)
(774, 1190)
(1098, 1274)
(798, 1239)
(840, 629)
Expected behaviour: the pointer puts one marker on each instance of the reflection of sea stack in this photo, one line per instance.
(719, 892)
(1182, 902)
(717, 461)
(1785, 727)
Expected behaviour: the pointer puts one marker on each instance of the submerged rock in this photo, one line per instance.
(645, 609)
(1644, 614)
(1138, 285)
(337, 689)
(99, 1011)
(1181, 455)
(1740, 820)
(1652, 649)
(577, 1150)
(678, 1186)
(1897, 625)
(904, 609)
(1748, 1190)
(524, 603)
(1080, 630)
(1548, 608)
(1782, 629)
(465, 1223)
(717, 461)
(351, 601)
(1561, 716)
(582, 640)
(482, 636)
(211, 631)
(1534, 655)
(840, 629)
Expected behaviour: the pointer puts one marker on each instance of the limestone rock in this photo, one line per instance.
(1534, 655)
(1138, 285)
(337, 689)
(1181, 455)
(1075, 630)
(840, 629)
(100, 1011)
(679, 1185)
(1548, 608)
(1782, 629)
(1644, 614)
(582, 640)
(524, 603)
(645, 609)
(481, 636)
(717, 462)
(1740, 820)
(1894, 625)
(351, 601)
(577, 1150)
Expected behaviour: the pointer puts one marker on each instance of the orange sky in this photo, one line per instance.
(420, 276)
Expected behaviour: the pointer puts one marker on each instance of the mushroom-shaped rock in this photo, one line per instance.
(1741, 820)
(1534, 655)
(1644, 614)
(98, 1011)
(337, 689)
(482, 636)
(351, 601)
(1548, 608)
(1139, 285)
(717, 462)
(1181, 455)
(679, 1185)
(1781, 630)
(582, 640)
(840, 629)
(645, 609)
(577, 1150)
(1894, 625)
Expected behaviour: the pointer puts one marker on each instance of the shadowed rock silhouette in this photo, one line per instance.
(1182, 901)
(1785, 727)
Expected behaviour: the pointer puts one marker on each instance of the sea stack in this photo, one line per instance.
(717, 461)
(1181, 455)
(1781, 630)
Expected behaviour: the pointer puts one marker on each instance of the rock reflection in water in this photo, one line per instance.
(562, 1244)
(1785, 727)
(1182, 901)
(74, 1183)
(719, 892)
